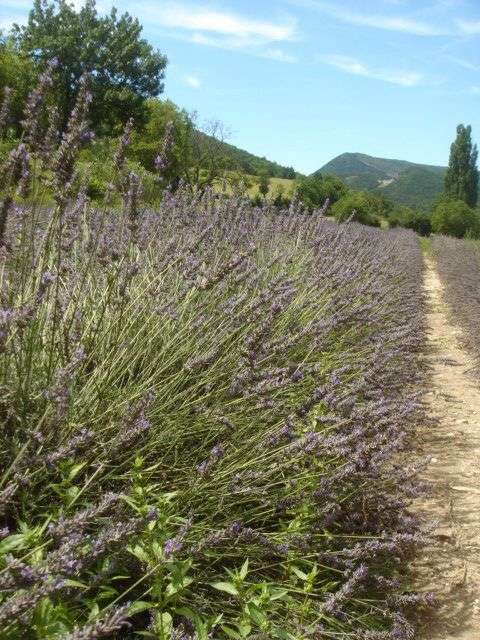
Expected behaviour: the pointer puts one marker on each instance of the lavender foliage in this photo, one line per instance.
(187, 387)
(458, 264)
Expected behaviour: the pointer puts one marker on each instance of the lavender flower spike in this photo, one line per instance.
(104, 628)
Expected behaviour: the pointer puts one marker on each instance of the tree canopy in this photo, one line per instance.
(361, 206)
(17, 72)
(461, 180)
(455, 218)
(315, 190)
(125, 69)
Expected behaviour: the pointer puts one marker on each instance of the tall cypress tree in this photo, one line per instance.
(461, 180)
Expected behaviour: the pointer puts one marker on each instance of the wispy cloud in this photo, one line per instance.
(192, 81)
(224, 29)
(469, 27)
(195, 18)
(358, 68)
(234, 44)
(388, 23)
(475, 89)
(280, 55)
(466, 64)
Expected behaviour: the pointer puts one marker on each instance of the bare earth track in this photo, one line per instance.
(451, 567)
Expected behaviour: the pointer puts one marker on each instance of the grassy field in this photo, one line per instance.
(252, 182)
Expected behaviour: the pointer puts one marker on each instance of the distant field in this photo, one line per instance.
(275, 183)
(253, 183)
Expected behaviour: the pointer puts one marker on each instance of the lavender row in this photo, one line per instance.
(205, 410)
(458, 264)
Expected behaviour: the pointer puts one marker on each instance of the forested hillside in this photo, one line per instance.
(404, 182)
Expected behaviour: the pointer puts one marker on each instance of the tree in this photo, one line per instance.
(125, 69)
(419, 221)
(202, 152)
(315, 190)
(199, 153)
(280, 197)
(361, 206)
(455, 218)
(289, 173)
(461, 180)
(17, 72)
(264, 184)
(146, 140)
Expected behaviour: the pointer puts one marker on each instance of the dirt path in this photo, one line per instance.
(451, 567)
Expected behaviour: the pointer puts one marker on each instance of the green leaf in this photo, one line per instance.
(244, 570)
(75, 583)
(256, 614)
(163, 624)
(16, 541)
(231, 633)
(72, 492)
(131, 503)
(139, 552)
(177, 585)
(283, 634)
(299, 573)
(244, 629)
(186, 613)
(75, 470)
(228, 587)
(139, 606)
(168, 497)
(94, 611)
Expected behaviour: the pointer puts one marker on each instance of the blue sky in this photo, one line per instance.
(301, 81)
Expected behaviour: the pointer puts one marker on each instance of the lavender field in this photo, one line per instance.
(205, 409)
(458, 264)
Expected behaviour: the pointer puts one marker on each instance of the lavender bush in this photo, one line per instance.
(204, 410)
(458, 263)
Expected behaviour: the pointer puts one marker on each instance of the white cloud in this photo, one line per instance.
(358, 68)
(192, 81)
(198, 19)
(466, 64)
(280, 55)
(475, 89)
(239, 44)
(6, 25)
(224, 30)
(396, 23)
(469, 27)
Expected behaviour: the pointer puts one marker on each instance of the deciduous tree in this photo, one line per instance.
(461, 180)
(125, 69)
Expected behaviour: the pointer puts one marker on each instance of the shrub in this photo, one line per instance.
(419, 221)
(316, 190)
(359, 206)
(455, 218)
(279, 198)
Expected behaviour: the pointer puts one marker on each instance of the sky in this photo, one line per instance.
(301, 81)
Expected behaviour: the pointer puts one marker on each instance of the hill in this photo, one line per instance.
(244, 160)
(255, 165)
(404, 182)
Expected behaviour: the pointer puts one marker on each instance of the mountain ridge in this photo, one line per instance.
(409, 183)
